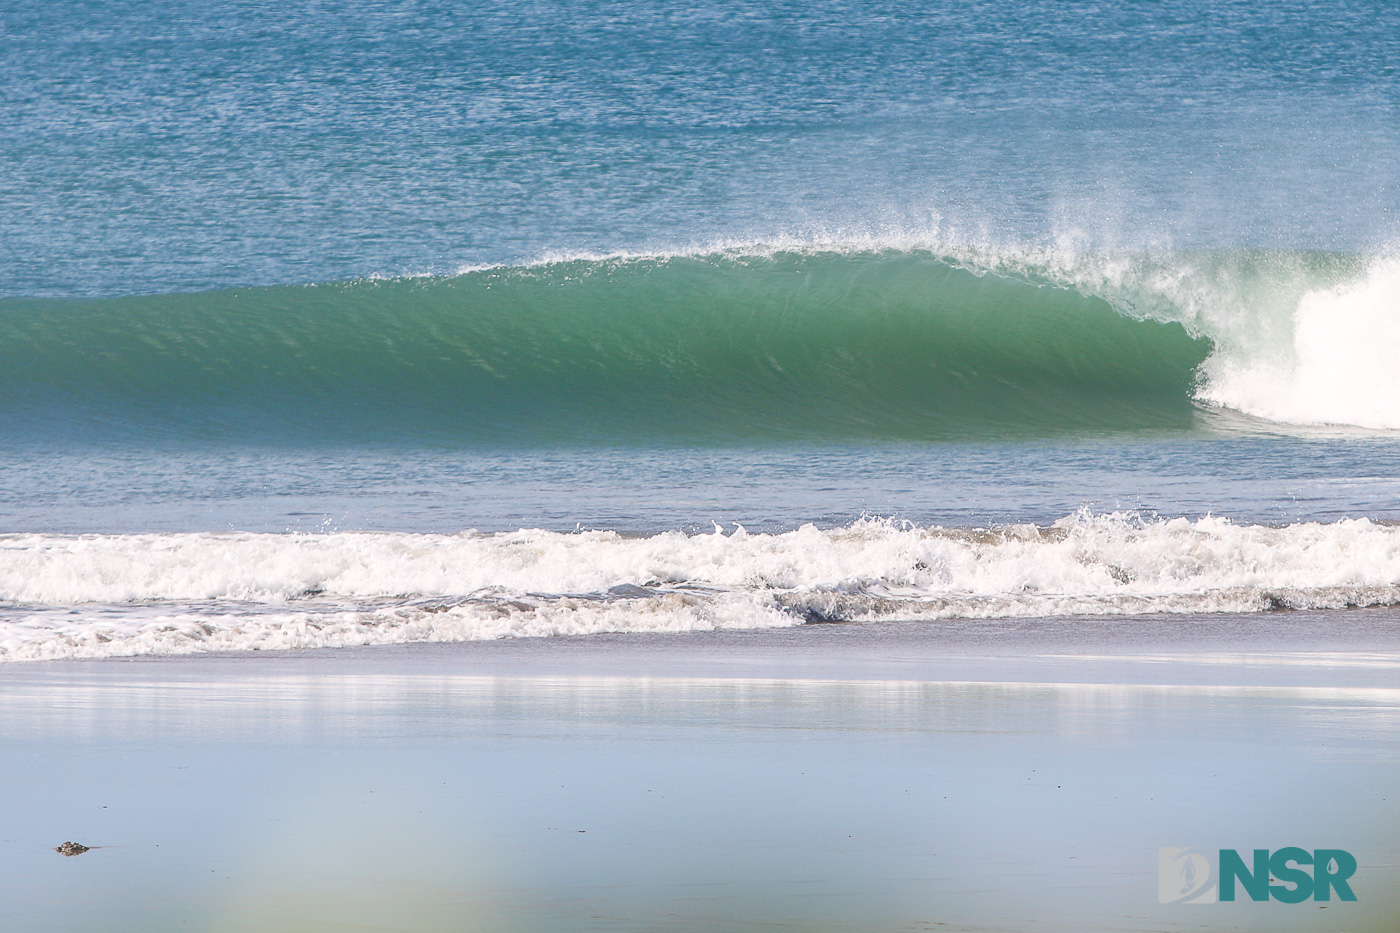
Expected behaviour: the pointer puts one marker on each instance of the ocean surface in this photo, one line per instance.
(372, 322)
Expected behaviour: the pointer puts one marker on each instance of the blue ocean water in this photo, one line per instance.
(1103, 297)
(164, 146)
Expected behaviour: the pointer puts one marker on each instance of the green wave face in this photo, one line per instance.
(714, 348)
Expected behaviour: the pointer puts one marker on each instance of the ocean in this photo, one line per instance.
(363, 322)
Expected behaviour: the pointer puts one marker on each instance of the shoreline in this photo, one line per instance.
(1322, 648)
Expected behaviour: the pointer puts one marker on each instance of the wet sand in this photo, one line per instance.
(1009, 775)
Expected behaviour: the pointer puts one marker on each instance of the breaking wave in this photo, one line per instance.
(741, 343)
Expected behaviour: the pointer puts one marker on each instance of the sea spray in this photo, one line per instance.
(1340, 365)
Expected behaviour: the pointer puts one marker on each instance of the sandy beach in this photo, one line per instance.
(1003, 775)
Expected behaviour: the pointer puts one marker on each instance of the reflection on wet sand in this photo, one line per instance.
(421, 791)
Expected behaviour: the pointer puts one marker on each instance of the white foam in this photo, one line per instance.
(1342, 365)
(95, 596)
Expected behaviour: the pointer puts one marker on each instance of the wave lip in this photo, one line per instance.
(103, 596)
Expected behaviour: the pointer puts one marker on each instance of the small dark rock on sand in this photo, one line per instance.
(71, 849)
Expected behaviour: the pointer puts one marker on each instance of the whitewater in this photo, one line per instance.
(107, 596)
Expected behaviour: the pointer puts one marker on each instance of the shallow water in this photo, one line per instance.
(335, 795)
(1267, 479)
